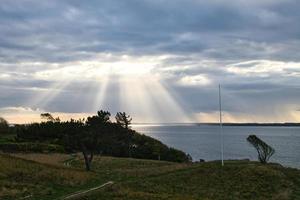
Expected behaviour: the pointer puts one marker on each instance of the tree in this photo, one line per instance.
(102, 117)
(123, 119)
(3, 125)
(263, 149)
(48, 117)
(87, 137)
(79, 138)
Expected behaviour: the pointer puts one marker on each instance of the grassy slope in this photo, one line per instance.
(20, 178)
(144, 179)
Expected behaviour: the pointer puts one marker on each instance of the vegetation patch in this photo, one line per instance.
(237, 180)
(97, 135)
(20, 178)
(26, 147)
(145, 179)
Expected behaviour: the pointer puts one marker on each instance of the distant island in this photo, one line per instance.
(252, 124)
(291, 124)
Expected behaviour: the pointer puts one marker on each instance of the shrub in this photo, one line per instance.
(31, 147)
(4, 127)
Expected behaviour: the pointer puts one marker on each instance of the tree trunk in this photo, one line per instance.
(91, 157)
(86, 161)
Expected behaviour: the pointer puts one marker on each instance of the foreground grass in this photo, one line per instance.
(46, 177)
(20, 178)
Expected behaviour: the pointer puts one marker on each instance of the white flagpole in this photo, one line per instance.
(221, 126)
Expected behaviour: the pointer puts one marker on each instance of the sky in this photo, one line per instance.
(158, 60)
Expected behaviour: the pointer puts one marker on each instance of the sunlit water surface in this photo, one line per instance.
(203, 141)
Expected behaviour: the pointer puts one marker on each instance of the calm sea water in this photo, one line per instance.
(203, 141)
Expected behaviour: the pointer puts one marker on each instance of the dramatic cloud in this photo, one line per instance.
(159, 60)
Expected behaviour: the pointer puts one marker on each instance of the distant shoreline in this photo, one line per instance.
(287, 124)
(251, 124)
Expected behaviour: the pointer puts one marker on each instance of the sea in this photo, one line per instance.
(204, 141)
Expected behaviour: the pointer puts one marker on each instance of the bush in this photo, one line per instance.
(148, 148)
(4, 127)
(28, 147)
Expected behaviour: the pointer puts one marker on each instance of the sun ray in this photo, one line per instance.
(168, 107)
(135, 100)
(101, 89)
(148, 100)
(121, 86)
(45, 96)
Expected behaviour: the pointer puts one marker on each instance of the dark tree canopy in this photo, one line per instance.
(98, 135)
(101, 118)
(49, 117)
(123, 119)
(263, 149)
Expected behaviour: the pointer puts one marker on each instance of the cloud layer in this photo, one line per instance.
(58, 56)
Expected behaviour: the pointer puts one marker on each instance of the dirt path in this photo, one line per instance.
(87, 191)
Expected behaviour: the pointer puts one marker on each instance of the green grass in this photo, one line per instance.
(20, 178)
(237, 180)
(7, 138)
(145, 179)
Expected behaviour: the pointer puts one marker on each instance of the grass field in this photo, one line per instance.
(54, 176)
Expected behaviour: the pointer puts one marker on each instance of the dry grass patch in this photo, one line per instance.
(21, 177)
(51, 158)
